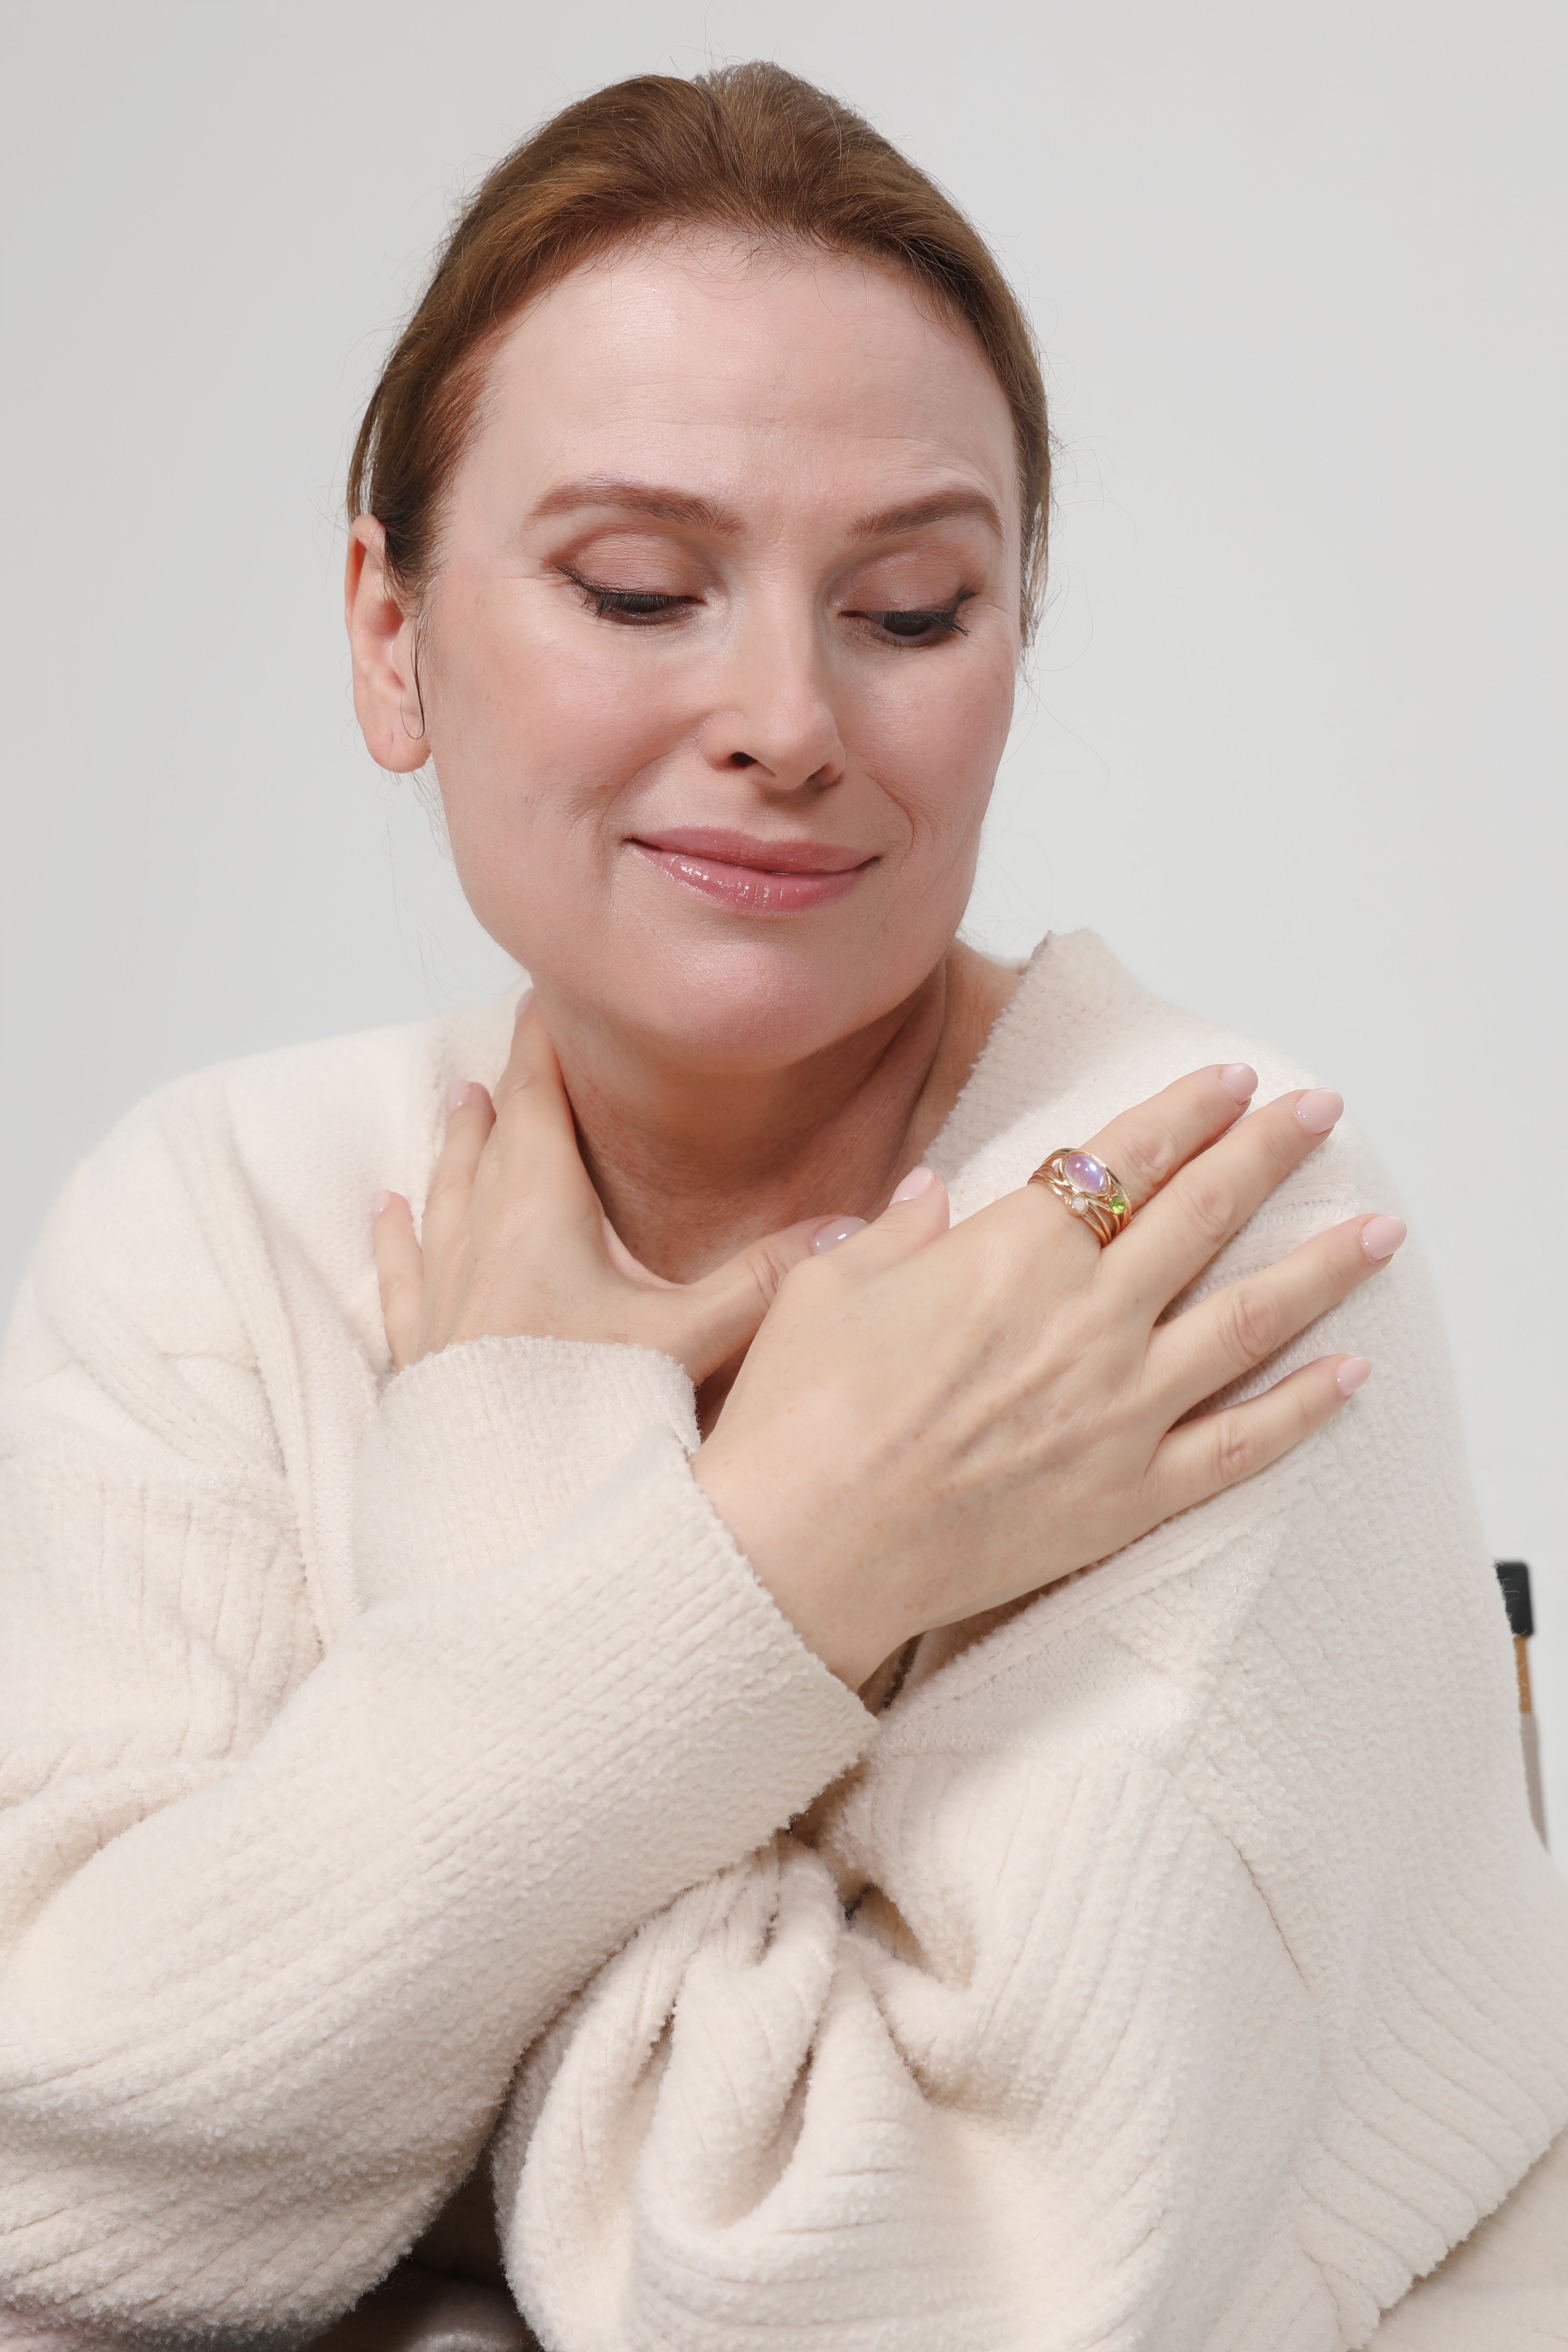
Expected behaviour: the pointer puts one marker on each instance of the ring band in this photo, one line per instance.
(1087, 1188)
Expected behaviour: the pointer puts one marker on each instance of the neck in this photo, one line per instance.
(690, 1169)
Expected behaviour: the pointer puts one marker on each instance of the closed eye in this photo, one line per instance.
(912, 626)
(639, 606)
(920, 624)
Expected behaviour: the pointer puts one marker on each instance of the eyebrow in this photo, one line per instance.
(942, 505)
(641, 497)
(668, 505)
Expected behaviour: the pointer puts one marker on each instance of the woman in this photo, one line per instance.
(660, 1753)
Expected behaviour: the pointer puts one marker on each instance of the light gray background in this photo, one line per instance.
(1294, 739)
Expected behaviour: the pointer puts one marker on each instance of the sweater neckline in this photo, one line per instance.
(1074, 1005)
(970, 1124)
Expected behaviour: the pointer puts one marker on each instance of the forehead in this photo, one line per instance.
(755, 376)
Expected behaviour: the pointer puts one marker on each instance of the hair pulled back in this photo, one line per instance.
(749, 148)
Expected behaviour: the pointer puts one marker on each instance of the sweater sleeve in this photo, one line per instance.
(1180, 1974)
(276, 1926)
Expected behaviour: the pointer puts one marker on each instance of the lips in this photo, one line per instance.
(750, 874)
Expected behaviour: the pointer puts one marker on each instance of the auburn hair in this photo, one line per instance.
(749, 148)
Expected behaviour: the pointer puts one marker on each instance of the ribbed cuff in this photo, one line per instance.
(477, 1453)
(709, 1710)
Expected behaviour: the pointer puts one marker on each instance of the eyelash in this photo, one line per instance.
(625, 603)
(644, 608)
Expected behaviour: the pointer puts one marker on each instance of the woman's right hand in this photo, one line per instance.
(931, 1424)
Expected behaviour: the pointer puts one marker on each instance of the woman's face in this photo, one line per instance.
(718, 664)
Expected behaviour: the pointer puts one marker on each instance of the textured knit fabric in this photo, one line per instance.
(1172, 1965)
(1505, 2289)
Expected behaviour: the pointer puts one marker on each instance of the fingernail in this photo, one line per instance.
(382, 1201)
(1381, 1236)
(1239, 1080)
(1350, 1374)
(523, 1002)
(828, 1237)
(917, 1181)
(457, 1095)
(1319, 1109)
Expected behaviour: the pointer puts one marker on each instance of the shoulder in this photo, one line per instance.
(315, 1130)
(177, 1214)
(1081, 1041)
(1381, 1492)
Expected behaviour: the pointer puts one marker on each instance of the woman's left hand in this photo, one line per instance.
(516, 1243)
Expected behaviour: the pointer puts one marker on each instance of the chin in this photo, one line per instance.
(757, 1005)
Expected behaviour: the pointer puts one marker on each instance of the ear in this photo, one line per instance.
(380, 636)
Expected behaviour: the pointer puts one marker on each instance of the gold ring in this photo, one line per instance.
(1088, 1188)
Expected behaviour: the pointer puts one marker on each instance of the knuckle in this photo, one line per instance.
(1257, 1327)
(1146, 1160)
(1237, 1452)
(761, 1280)
(1207, 1204)
(516, 1082)
(771, 1261)
(1311, 1405)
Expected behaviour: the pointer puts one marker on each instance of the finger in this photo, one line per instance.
(534, 1126)
(471, 1116)
(1248, 1321)
(1204, 1457)
(1171, 1240)
(721, 1315)
(917, 1213)
(399, 1274)
(1144, 1147)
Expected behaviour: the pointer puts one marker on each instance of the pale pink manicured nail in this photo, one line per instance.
(1319, 1109)
(382, 1201)
(1350, 1374)
(917, 1181)
(457, 1095)
(523, 1002)
(828, 1237)
(1381, 1236)
(1239, 1080)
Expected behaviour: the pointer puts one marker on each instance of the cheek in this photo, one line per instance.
(534, 731)
(934, 740)
(534, 736)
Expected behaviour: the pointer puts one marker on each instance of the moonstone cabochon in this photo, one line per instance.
(1086, 1173)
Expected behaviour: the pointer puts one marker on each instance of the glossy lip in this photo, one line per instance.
(752, 875)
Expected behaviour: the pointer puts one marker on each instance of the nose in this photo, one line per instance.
(773, 711)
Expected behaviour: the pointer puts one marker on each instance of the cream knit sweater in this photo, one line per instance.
(1173, 1966)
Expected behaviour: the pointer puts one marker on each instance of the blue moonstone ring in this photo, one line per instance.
(1088, 1190)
